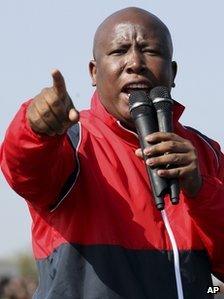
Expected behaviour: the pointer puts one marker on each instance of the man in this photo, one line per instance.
(96, 231)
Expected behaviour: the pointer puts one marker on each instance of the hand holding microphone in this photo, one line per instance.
(143, 114)
(181, 158)
(163, 103)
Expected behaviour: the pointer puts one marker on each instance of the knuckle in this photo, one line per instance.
(176, 159)
(37, 122)
(189, 144)
(172, 135)
(38, 125)
(45, 113)
(154, 134)
(53, 98)
(30, 111)
(32, 116)
(193, 167)
(55, 102)
(152, 150)
(39, 100)
(194, 156)
(45, 90)
(172, 145)
(194, 162)
(158, 161)
(195, 152)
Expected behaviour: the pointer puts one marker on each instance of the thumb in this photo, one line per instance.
(73, 115)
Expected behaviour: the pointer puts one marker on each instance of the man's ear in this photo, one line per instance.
(92, 71)
(174, 71)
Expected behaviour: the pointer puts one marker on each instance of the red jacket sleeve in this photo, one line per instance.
(207, 212)
(31, 163)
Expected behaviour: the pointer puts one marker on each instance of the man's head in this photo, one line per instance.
(132, 50)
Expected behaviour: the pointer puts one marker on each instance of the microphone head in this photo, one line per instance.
(161, 98)
(160, 92)
(139, 98)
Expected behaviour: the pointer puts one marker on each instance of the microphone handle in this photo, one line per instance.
(146, 124)
(165, 122)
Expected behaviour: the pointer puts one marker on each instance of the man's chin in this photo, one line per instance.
(124, 115)
(128, 125)
(127, 122)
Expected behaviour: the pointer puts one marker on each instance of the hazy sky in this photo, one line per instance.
(37, 36)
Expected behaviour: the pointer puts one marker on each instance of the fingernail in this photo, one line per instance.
(148, 138)
(147, 151)
(150, 162)
(72, 114)
(161, 172)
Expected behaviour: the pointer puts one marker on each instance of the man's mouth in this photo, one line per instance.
(128, 88)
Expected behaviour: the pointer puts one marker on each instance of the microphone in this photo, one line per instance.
(144, 116)
(163, 103)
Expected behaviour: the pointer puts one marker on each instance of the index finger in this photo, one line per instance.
(58, 82)
(163, 136)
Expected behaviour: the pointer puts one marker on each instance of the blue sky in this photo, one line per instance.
(37, 36)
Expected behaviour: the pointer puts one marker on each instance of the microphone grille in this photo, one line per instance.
(139, 103)
(160, 92)
(139, 96)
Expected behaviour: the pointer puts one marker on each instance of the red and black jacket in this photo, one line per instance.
(96, 232)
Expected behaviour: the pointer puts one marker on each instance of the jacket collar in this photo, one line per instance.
(98, 110)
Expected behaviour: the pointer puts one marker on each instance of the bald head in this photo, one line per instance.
(132, 15)
(132, 46)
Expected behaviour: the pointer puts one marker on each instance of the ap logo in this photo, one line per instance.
(213, 290)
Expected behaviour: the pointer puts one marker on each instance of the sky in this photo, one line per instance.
(37, 36)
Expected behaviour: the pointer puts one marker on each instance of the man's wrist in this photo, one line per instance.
(209, 188)
(192, 186)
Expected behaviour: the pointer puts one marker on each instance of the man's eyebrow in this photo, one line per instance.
(150, 42)
(142, 43)
(120, 42)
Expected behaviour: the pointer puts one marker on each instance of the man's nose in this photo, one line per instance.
(135, 62)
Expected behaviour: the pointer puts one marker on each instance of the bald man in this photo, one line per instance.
(96, 232)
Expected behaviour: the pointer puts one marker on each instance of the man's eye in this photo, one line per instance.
(118, 52)
(152, 51)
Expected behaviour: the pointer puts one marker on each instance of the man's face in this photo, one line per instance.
(131, 55)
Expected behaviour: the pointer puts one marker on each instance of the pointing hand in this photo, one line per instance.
(52, 112)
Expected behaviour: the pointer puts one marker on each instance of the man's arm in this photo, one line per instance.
(36, 156)
(207, 212)
(204, 195)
